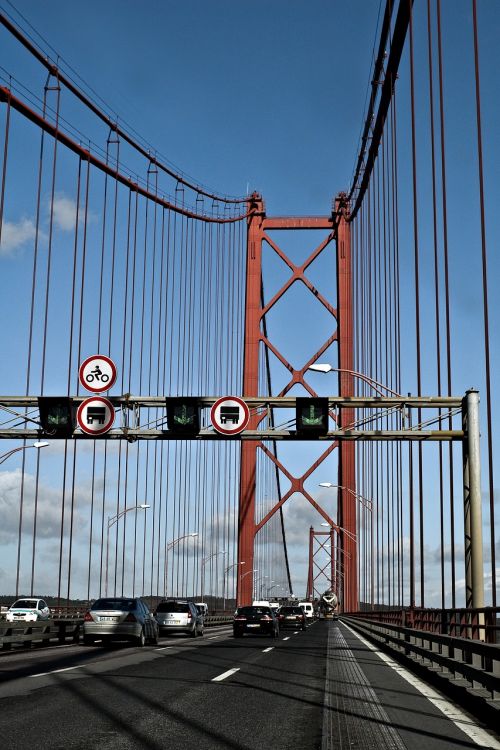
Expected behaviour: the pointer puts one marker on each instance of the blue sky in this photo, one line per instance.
(271, 97)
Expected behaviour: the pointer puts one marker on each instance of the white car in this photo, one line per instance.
(28, 610)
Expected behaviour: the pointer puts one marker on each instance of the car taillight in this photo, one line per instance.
(190, 616)
(88, 617)
(240, 618)
(130, 618)
(266, 617)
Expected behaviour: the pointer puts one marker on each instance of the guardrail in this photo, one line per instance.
(41, 633)
(469, 668)
(479, 624)
(59, 630)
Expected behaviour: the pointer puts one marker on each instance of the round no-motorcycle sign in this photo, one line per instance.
(97, 373)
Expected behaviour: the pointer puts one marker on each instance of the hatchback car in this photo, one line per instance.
(292, 617)
(254, 621)
(28, 610)
(120, 619)
(179, 617)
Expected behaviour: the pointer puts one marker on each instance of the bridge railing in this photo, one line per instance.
(478, 624)
(464, 666)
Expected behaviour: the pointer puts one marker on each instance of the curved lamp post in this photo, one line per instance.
(203, 563)
(226, 571)
(171, 545)
(111, 521)
(7, 455)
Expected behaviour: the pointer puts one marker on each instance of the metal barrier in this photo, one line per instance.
(479, 624)
(59, 630)
(465, 664)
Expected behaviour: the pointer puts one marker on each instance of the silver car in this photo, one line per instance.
(179, 617)
(120, 619)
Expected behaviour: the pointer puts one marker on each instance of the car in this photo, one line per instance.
(28, 610)
(179, 616)
(255, 620)
(119, 619)
(292, 617)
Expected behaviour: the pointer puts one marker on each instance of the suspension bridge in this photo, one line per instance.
(181, 372)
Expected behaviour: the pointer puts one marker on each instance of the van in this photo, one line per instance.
(308, 609)
(260, 604)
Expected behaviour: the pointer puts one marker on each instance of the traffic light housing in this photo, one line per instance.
(57, 415)
(183, 415)
(311, 416)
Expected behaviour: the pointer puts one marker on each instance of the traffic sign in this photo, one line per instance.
(230, 415)
(95, 415)
(97, 373)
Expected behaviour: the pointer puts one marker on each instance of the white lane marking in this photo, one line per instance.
(226, 674)
(211, 637)
(295, 632)
(287, 638)
(465, 723)
(55, 671)
(163, 648)
(267, 649)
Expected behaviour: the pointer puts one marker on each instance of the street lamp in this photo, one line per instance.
(203, 563)
(276, 585)
(112, 520)
(7, 455)
(171, 545)
(363, 500)
(324, 367)
(226, 571)
(341, 528)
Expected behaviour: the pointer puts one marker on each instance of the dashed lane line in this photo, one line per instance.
(224, 675)
(265, 651)
(287, 638)
(55, 671)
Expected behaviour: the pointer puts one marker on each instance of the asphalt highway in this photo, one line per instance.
(323, 688)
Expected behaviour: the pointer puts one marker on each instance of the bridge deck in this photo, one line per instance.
(323, 688)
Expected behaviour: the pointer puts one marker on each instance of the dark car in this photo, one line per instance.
(255, 620)
(120, 619)
(292, 617)
(175, 616)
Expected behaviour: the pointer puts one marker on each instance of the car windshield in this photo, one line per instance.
(122, 605)
(172, 607)
(253, 611)
(25, 604)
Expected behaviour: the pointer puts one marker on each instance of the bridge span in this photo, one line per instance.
(283, 394)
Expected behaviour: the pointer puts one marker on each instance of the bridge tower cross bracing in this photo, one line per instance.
(255, 309)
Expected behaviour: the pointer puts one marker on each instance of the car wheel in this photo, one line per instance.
(88, 640)
(141, 639)
(202, 632)
(193, 633)
(237, 635)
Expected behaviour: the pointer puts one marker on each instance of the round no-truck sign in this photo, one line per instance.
(230, 415)
(97, 373)
(95, 415)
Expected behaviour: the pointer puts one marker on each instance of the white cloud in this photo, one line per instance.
(16, 234)
(48, 507)
(64, 213)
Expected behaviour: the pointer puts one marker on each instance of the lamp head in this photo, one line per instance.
(321, 367)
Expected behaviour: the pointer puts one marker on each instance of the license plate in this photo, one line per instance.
(174, 622)
(252, 625)
(108, 619)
